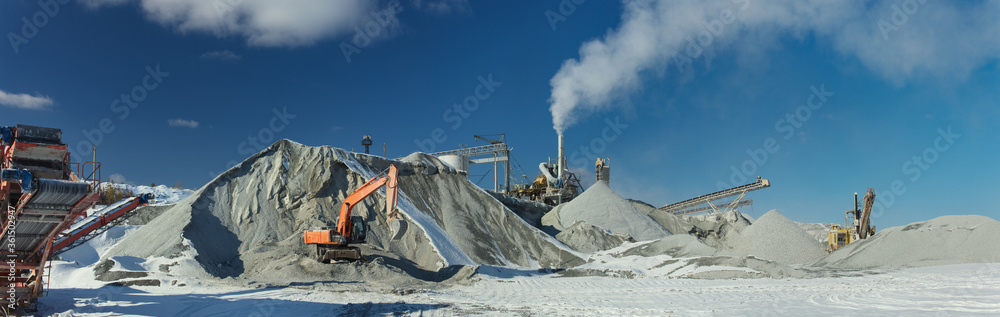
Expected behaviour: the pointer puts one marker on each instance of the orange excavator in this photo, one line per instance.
(338, 245)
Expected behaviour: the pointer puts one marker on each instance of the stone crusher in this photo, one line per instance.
(40, 196)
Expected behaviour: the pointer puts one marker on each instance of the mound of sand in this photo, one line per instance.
(585, 237)
(720, 223)
(642, 206)
(602, 207)
(673, 223)
(248, 222)
(819, 231)
(144, 214)
(776, 238)
(531, 211)
(939, 241)
(682, 256)
(678, 246)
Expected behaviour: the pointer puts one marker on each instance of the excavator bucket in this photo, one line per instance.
(398, 228)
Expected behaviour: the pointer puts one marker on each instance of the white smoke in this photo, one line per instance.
(897, 40)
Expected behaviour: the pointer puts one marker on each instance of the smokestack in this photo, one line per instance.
(561, 158)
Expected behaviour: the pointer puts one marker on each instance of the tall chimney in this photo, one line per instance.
(562, 159)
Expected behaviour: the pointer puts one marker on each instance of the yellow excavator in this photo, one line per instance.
(857, 224)
(340, 244)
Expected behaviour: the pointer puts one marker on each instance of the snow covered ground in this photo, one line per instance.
(967, 289)
(235, 249)
(164, 195)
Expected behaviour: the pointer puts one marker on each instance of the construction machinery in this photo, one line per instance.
(99, 222)
(555, 185)
(548, 188)
(691, 206)
(602, 170)
(857, 224)
(40, 196)
(337, 244)
(496, 152)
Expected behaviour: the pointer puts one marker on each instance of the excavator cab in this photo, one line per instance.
(359, 229)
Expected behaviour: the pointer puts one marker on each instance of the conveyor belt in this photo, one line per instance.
(759, 184)
(99, 222)
(49, 206)
(57, 194)
(723, 205)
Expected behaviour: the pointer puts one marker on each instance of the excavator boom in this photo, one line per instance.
(352, 230)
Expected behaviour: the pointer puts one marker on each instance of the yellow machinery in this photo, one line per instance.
(839, 236)
(857, 224)
(533, 191)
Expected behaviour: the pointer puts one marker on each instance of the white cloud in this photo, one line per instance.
(223, 55)
(443, 6)
(287, 23)
(25, 101)
(118, 179)
(183, 123)
(940, 39)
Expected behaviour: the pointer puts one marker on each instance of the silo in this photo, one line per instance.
(459, 162)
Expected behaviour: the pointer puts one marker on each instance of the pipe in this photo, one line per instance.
(561, 158)
(857, 223)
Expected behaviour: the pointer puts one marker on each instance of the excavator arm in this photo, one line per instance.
(345, 231)
(864, 224)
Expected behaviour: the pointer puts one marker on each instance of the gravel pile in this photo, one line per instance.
(602, 207)
(588, 238)
(776, 238)
(248, 222)
(939, 241)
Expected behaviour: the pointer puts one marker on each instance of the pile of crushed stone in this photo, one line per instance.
(602, 207)
(774, 237)
(248, 222)
(585, 237)
(246, 227)
(939, 241)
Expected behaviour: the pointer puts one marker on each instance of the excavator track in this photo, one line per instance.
(338, 254)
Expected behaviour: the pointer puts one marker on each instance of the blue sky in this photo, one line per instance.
(894, 74)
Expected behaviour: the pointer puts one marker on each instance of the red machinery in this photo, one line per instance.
(336, 244)
(40, 196)
(98, 223)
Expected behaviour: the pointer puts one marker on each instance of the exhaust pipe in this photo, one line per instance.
(561, 159)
